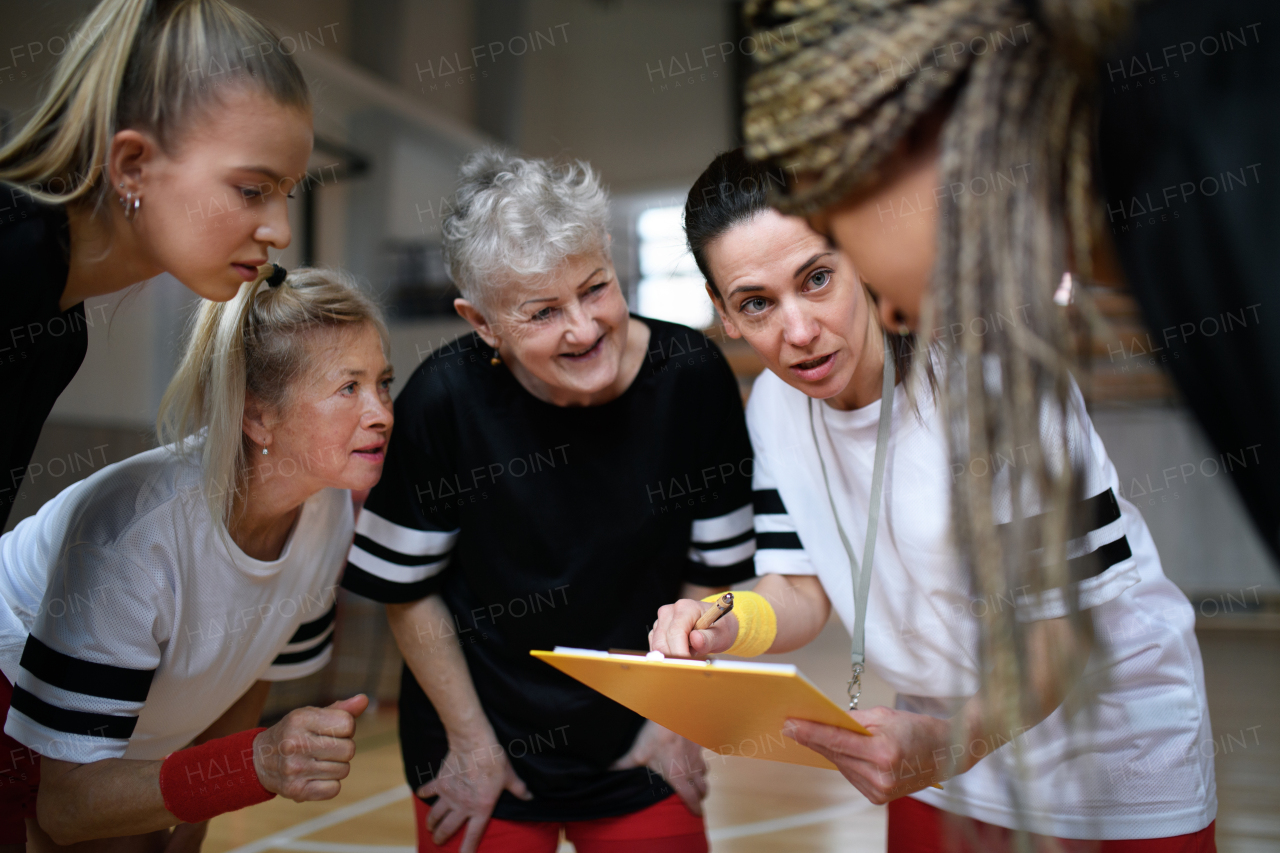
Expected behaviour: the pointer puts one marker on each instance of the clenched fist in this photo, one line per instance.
(304, 756)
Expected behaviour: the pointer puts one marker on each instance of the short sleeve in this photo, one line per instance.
(1100, 561)
(722, 540)
(778, 547)
(87, 666)
(405, 535)
(311, 646)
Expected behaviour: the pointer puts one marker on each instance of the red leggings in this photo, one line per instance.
(666, 826)
(19, 778)
(916, 827)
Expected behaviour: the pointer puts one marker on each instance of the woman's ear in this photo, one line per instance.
(256, 422)
(131, 152)
(469, 312)
(729, 328)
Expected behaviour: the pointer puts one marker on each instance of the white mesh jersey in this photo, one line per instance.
(1138, 763)
(129, 623)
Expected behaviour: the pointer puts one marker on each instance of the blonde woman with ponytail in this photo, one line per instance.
(169, 138)
(147, 608)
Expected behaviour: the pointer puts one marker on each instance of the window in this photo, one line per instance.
(670, 287)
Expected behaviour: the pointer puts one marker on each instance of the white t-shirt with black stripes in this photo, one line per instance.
(1142, 765)
(129, 624)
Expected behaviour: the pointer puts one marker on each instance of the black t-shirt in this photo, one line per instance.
(41, 346)
(543, 525)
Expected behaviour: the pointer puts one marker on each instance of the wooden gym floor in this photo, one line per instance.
(757, 806)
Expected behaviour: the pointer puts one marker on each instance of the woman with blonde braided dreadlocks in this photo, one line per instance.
(944, 145)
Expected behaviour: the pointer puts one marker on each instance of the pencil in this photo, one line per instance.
(711, 614)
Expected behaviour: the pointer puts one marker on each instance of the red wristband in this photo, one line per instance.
(213, 778)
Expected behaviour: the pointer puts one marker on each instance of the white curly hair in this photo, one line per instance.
(518, 219)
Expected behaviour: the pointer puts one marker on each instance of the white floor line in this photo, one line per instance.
(288, 839)
(790, 822)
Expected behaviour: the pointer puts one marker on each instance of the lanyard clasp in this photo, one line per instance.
(855, 687)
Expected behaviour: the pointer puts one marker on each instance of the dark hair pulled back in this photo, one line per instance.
(733, 190)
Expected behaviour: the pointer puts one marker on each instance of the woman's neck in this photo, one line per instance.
(261, 521)
(867, 383)
(105, 254)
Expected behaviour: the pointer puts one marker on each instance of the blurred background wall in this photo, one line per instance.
(646, 91)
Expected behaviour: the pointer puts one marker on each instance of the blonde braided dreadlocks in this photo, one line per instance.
(840, 85)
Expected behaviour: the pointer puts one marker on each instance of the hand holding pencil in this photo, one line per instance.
(709, 616)
(694, 629)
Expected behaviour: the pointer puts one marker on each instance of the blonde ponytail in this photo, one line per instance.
(260, 342)
(149, 65)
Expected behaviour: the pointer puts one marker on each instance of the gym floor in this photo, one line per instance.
(757, 806)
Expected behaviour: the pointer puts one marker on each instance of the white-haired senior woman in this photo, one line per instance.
(147, 608)
(556, 476)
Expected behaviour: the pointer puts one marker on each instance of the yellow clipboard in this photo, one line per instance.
(729, 707)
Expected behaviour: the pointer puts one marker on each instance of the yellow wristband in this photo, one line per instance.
(757, 623)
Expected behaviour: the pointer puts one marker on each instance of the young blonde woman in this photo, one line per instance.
(852, 511)
(147, 608)
(169, 139)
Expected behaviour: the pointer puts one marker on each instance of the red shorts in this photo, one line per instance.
(19, 778)
(668, 826)
(916, 827)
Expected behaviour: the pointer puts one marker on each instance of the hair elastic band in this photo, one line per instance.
(277, 276)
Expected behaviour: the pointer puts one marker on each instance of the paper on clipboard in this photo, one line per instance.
(729, 707)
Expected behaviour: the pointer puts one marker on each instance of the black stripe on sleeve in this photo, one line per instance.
(369, 585)
(783, 541)
(1099, 560)
(1091, 514)
(304, 655)
(724, 543)
(704, 575)
(316, 627)
(768, 502)
(81, 676)
(72, 722)
(392, 556)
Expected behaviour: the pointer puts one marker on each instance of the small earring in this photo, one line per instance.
(130, 205)
(904, 330)
(496, 359)
(264, 451)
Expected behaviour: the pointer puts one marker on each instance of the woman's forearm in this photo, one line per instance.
(121, 796)
(801, 605)
(1056, 655)
(798, 602)
(435, 658)
(105, 799)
